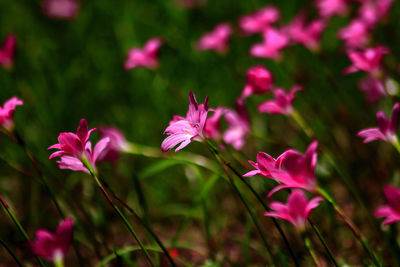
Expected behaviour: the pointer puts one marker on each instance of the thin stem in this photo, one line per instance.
(300, 121)
(314, 257)
(11, 252)
(396, 144)
(356, 232)
(121, 215)
(59, 263)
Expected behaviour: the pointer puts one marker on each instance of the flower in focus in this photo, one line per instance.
(306, 34)
(7, 113)
(292, 169)
(386, 130)
(78, 148)
(239, 127)
(53, 246)
(371, 11)
(115, 147)
(184, 130)
(260, 20)
(368, 60)
(217, 39)
(391, 212)
(63, 9)
(373, 89)
(296, 210)
(356, 34)
(282, 104)
(259, 81)
(329, 8)
(144, 57)
(7, 51)
(274, 41)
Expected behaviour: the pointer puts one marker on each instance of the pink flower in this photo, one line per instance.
(212, 128)
(79, 148)
(217, 39)
(282, 104)
(386, 130)
(260, 20)
(7, 113)
(274, 42)
(144, 57)
(373, 89)
(239, 127)
(292, 169)
(368, 60)
(392, 210)
(184, 130)
(296, 210)
(7, 51)
(53, 246)
(306, 34)
(115, 147)
(259, 81)
(329, 8)
(356, 34)
(371, 11)
(63, 9)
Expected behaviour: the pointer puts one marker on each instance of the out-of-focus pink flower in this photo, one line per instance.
(274, 42)
(292, 169)
(296, 210)
(79, 148)
(259, 81)
(239, 127)
(391, 212)
(63, 9)
(116, 146)
(144, 57)
(7, 51)
(356, 34)
(7, 113)
(373, 89)
(386, 130)
(53, 246)
(212, 128)
(282, 104)
(217, 39)
(185, 130)
(371, 11)
(306, 34)
(260, 20)
(368, 60)
(329, 8)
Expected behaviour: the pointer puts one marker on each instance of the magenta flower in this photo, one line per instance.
(7, 51)
(282, 104)
(212, 128)
(185, 130)
(238, 126)
(368, 60)
(371, 11)
(115, 147)
(306, 34)
(144, 57)
(292, 169)
(373, 89)
(217, 39)
(63, 9)
(356, 34)
(296, 210)
(259, 81)
(53, 246)
(391, 212)
(274, 41)
(329, 8)
(260, 20)
(78, 148)
(386, 130)
(7, 113)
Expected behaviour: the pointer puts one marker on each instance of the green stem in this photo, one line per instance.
(307, 243)
(121, 215)
(396, 144)
(356, 232)
(303, 125)
(59, 263)
(11, 252)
